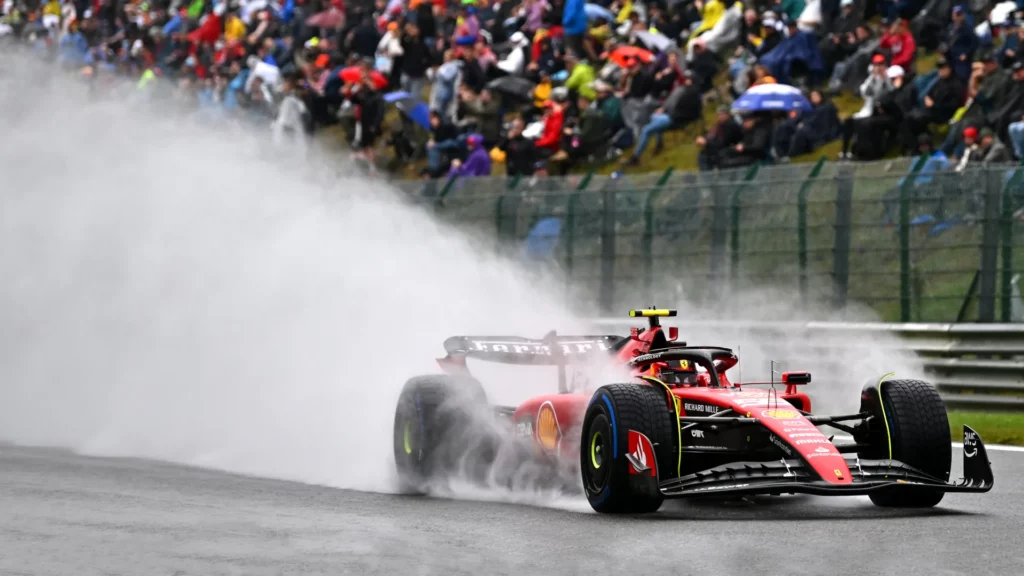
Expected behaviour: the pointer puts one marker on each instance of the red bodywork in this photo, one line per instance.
(554, 420)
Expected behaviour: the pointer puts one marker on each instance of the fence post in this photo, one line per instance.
(606, 286)
(908, 183)
(842, 237)
(648, 239)
(447, 187)
(734, 238)
(801, 216)
(499, 216)
(570, 231)
(990, 229)
(1007, 240)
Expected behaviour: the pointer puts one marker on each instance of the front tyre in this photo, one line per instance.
(911, 427)
(629, 440)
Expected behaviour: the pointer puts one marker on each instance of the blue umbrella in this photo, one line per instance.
(771, 97)
(595, 11)
(417, 111)
(392, 97)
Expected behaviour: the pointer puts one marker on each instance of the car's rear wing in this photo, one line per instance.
(552, 350)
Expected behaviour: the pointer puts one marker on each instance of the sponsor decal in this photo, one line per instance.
(822, 451)
(644, 358)
(822, 440)
(524, 427)
(970, 444)
(549, 434)
(839, 474)
(780, 414)
(782, 445)
(752, 402)
(698, 407)
(568, 347)
(707, 448)
(641, 455)
(806, 435)
(697, 433)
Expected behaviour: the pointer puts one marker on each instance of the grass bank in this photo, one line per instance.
(994, 427)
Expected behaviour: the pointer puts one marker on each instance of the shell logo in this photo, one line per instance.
(780, 414)
(548, 433)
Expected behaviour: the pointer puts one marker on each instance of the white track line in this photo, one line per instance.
(996, 447)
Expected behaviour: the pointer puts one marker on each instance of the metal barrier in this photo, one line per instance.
(974, 366)
(914, 242)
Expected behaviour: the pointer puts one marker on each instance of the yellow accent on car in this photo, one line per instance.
(547, 427)
(651, 313)
(881, 405)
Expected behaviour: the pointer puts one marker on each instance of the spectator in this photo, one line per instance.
(805, 132)
(841, 41)
(478, 163)
(752, 148)
(870, 124)
(444, 139)
(482, 112)
(961, 42)
(550, 141)
(683, 105)
(414, 61)
(940, 103)
(899, 44)
(581, 76)
(724, 134)
(985, 88)
(520, 153)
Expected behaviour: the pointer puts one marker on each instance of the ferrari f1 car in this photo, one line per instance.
(679, 429)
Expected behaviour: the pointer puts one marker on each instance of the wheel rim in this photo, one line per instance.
(598, 464)
(407, 437)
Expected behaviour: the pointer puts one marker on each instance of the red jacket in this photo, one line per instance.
(552, 136)
(902, 48)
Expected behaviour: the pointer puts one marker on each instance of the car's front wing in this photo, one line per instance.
(793, 476)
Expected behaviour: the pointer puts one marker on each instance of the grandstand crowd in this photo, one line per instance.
(547, 85)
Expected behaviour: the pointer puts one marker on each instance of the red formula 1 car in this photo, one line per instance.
(679, 429)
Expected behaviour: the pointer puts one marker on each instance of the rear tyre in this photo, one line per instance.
(435, 428)
(917, 435)
(610, 481)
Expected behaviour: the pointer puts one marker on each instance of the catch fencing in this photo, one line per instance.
(974, 366)
(912, 243)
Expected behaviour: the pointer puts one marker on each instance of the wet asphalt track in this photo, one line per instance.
(65, 514)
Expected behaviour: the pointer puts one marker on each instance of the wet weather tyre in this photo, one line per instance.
(613, 411)
(433, 428)
(918, 430)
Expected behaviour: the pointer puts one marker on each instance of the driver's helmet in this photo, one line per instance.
(678, 372)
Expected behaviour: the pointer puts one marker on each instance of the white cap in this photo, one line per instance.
(894, 72)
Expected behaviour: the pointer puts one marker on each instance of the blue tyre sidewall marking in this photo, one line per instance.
(606, 491)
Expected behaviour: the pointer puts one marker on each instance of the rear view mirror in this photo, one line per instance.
(796, 378)
(673, 333)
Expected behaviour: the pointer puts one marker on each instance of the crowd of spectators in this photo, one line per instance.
(541, 85)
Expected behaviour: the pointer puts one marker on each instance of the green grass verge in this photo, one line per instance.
(994, 427)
